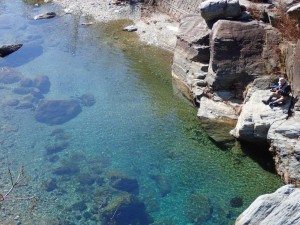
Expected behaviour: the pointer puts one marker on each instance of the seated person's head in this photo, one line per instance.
(281, 81)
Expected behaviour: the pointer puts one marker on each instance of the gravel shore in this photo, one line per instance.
(153, 28)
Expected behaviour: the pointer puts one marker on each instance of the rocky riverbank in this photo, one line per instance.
(153, 27)
(225, 60)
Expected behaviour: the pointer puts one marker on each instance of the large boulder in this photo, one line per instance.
(125, 209)
(279, 208)
(220, 9)
(261, 123)
(8, 49)
(42, 83)
(293, 69)
(124, 183)
(294, 11)
(54, 112)
(236, 59)
(256, 118)
(285, 146)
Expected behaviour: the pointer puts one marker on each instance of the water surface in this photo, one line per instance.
(139, 133)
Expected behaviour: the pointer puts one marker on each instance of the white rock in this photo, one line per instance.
(210, 109)
(280, 208)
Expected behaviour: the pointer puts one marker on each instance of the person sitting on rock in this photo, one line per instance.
(281, 92)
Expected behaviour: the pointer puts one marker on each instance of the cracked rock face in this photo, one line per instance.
(244, 63)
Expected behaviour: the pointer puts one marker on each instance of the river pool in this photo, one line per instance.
(134, 153)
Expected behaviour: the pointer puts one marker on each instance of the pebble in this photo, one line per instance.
(17, 217)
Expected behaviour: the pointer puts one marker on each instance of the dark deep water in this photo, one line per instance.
(135, 154)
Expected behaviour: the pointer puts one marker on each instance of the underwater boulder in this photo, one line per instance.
(42, 83)
(54, 112)
(236, 202)
(124, 183)
(87, 100)
(57, 147)
(21, 90)
(66, 170)
(51, 185)
(197, 209)
(126, 209)
(11, 102)
(9, 75)
(86, 179)
(162, 184)
(26, 82)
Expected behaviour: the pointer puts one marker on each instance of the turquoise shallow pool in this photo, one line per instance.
(135, 154)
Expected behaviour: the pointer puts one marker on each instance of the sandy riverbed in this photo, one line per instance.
(154, 28)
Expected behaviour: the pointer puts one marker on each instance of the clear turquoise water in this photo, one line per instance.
(138, 128)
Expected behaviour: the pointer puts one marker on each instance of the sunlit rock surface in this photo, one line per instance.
(279, 208)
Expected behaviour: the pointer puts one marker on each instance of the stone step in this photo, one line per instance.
(201, 75)
(204, 67)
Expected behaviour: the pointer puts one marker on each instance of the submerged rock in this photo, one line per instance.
(236, 202)
(87, 100)
(126, 209)
(22, 90)
(279, 208)
(5, 50)
(66, 170)
(54, 112)
(51, 185)
(9, 75)
(26, 82)
(197, 209)
(43, 84)
(58, 147)
(124, 183)
(162, 183)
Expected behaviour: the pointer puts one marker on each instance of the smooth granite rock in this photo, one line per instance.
(279, 208)
(216, 110)
(220, 9)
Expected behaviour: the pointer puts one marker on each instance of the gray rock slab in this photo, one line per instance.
(216, 110)
(256, 118)
(279, 208)
(219, 9)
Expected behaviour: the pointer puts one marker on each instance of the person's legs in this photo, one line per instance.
(281, 99)
(274, 94)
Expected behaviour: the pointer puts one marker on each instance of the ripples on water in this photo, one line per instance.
(136, 156)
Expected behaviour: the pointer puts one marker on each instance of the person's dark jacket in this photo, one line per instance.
(284, 90)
